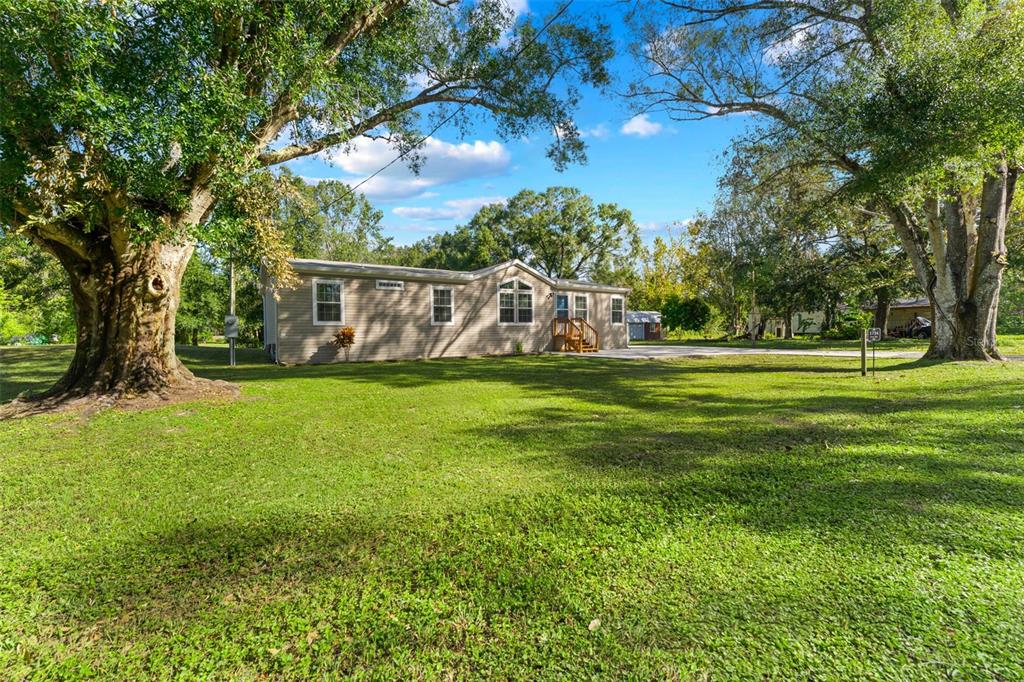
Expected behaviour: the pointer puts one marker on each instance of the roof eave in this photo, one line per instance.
(311, 267)
(380, 271)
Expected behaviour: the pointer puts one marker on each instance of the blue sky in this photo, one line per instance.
(663, 171)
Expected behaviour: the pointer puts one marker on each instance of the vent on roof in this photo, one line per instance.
(390, 284)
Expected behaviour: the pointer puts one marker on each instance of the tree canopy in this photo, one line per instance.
(916, 104)
(560, 231)
(129, 131)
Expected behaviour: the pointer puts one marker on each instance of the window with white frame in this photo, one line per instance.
(442, 305)
(391, 284)
(579, 306)
(515, 302)
(562, 306)
(618, 310)
(328, 306)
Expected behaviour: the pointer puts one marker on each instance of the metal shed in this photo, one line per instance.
(644, 325)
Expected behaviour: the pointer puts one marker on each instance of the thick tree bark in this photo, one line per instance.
(959, 258)
(125, 306)
(787, 324)
(883, 302)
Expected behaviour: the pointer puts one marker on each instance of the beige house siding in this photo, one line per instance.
(901, 317)
(396, 324)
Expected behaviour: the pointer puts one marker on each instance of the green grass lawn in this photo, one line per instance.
(711, 519)
(1009, 344)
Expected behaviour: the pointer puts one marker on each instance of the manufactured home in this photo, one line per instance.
(408, 313)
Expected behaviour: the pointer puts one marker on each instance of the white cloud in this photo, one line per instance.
(443, 163)
(600, 131)
(518, 7)
(310, 180)
(664, 225)
(641, 126)
(453, 209)
(789, 45)
(419, 81)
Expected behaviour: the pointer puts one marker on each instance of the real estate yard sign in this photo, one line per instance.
(874, 334)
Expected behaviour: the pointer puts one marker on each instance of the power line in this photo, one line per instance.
(472, 100)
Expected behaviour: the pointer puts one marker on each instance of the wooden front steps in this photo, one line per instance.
(574, 334)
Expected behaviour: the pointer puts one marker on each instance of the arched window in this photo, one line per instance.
(515, 302)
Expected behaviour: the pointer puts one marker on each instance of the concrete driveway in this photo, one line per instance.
(662, 352)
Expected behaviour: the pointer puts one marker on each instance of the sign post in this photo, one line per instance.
(874, 334)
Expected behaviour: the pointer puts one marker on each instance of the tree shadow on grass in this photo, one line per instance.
(31, 368)
(641, 466)
(604, 380)
(525, 576)
(626, 383)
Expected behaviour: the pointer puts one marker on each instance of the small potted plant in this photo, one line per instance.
(345, 339)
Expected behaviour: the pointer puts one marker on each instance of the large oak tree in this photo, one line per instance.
(130, 130)
(916, 104)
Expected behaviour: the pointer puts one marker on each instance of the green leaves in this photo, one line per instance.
(559, 231)
(168, 100)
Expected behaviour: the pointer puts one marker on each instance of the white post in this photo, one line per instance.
(231, 309)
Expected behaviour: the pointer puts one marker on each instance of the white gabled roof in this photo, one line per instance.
(639, 316)
(328, 267)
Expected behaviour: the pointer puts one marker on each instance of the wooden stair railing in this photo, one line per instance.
(578, 335)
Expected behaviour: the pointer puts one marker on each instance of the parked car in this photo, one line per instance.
(919, 328)
(28, 340)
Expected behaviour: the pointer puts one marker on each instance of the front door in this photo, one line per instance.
(562, 306)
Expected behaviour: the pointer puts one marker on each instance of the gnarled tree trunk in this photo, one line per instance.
(125, 306)
(126, 294)
(959, 259)
(883, 303)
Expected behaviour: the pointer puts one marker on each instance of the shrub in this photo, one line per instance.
(804, 324)
(714, 328)
(848, 324)
(345, 339)
(519, 348)
(685, 313)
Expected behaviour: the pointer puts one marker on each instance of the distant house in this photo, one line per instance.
(804, 322)
(644, 325)
(406, 313)
(903, 312)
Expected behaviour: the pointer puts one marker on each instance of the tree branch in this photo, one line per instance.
(386, 115)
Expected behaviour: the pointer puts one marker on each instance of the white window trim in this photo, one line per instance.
(515, 293)
(341, 290)
(434, 323)
(400, 283)
(574, 309)
(611, 311)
